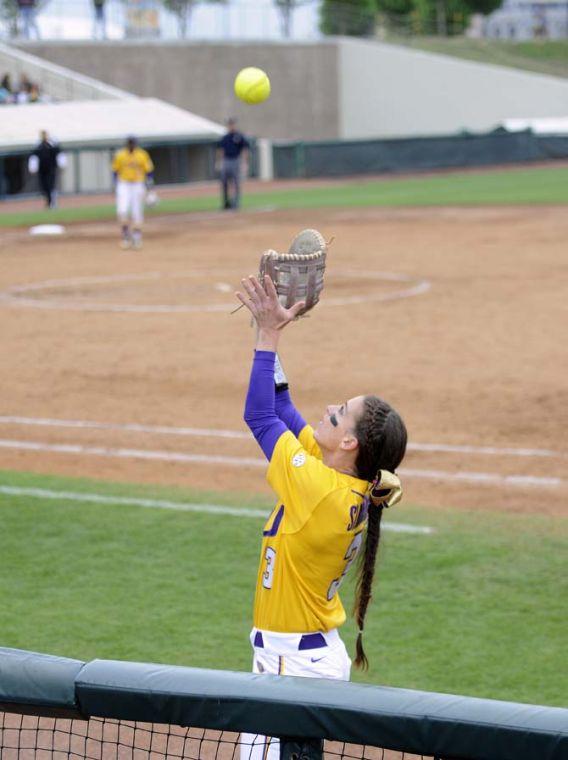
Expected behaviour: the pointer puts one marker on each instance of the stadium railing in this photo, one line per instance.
(53, 707)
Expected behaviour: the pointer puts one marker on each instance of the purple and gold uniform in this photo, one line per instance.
(315, 530)
(132, 165)
(310, 540)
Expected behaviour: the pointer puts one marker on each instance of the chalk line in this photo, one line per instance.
(243, 434)
(479, 478)
(22, 295)
(213, 509)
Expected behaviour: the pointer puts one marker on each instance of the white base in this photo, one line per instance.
(47, 229)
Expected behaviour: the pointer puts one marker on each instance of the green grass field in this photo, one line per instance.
(475, 608)
(538, 185)
(539, 56)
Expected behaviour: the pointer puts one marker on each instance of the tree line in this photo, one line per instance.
(358, 18)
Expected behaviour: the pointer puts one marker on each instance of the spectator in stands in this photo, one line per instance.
(6, 83)
(99, 22)
(45, 161)
(26, 91)
(22, 94)
(28, 22)
(6, 94)
(34, 95)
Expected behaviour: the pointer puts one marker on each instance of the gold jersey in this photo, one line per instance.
(132, 166)
(310, 540)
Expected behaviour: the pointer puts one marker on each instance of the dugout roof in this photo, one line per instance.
(100, 123)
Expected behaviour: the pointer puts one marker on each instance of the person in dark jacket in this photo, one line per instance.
(231, 149)
(99, 21)
(28, 22)
(45, 161)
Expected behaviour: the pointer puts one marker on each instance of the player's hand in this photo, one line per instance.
(263, 304)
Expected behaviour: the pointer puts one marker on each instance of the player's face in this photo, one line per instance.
(338, 423)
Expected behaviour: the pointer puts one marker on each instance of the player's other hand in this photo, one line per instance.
(262, 302)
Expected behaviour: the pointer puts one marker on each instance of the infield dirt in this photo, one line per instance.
(456, 316)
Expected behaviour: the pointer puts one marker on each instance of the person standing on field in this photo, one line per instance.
(99, 21)
(232, 160)
(133, 175)
(332, 484)
(45, 161)
(27, 9)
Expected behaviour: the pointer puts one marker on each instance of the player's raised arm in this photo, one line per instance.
(285, 408)
(271, 317)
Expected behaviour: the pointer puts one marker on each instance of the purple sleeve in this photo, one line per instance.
(260, 407)
(288, 413)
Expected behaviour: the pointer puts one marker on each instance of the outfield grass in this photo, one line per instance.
(539, 56)
(542, 185)
(476, 608)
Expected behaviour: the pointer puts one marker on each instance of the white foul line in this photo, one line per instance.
(479, 478)
(129, 427)
(214, 509)
(242, 434)
(103, 451)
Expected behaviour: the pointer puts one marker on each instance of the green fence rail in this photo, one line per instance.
(440, 725)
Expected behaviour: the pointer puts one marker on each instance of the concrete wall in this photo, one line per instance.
(389, 91)
(199, 77)
(335, 88)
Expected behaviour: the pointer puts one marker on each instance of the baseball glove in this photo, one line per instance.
(152, 199)
(298, 274)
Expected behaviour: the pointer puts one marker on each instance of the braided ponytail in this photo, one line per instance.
(366, 572)
(382, 437)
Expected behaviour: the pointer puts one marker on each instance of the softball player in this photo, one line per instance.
(133, 174)
(332, 482)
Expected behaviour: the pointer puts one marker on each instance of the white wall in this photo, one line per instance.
(392, 91)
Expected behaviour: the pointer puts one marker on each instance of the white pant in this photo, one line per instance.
(280, 655)
(130, 201)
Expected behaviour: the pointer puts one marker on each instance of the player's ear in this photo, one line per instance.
(349, 442)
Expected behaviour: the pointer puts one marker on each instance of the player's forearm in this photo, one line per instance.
(288, 413)
(260, 412)
(285, 408)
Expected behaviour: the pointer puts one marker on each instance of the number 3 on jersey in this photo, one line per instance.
(268, 575)
(349, 558)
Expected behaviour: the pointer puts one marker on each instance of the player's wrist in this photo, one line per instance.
(267, 339)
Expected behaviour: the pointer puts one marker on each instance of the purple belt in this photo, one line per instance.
(307, 641)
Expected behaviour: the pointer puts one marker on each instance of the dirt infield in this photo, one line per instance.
(456, 316)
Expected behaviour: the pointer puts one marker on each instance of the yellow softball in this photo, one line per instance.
(252, 85)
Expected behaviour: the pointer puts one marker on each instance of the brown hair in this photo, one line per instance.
(382, 437)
